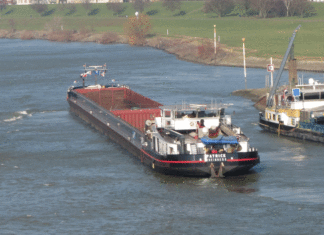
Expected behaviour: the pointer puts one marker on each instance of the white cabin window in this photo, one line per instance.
(274, 117)
(293, 121)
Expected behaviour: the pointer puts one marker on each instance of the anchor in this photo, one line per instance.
(212, 171)
(220, 172)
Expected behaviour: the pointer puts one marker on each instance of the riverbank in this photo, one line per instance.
(193, 49)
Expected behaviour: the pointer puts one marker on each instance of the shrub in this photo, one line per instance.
(181, 13)
(93, 12)
(108, 37)
(137, 28)
(116, 7)
(27, 35)
(60, 36)
(206, 50)
(152, 12)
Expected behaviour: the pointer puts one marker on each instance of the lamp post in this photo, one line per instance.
(243, 39)
(271, 84)
(215, 38)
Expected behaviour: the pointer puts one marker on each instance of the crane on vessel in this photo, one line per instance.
(283, 63)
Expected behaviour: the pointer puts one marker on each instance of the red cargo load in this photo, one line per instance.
(114, 98)
(125, 103)
(138, 117)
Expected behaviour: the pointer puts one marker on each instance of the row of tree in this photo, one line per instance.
(117, 7)
(261, 8)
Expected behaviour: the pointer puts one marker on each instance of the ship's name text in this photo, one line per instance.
(215, 157)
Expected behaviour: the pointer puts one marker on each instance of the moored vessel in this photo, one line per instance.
(184, 139)
(296, 112)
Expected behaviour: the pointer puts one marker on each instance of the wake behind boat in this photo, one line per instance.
(185, 139)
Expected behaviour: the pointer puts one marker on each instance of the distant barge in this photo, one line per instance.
(186, 139)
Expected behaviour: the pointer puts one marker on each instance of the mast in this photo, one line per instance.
(94, 69)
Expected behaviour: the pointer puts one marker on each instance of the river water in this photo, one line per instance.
(60, 176)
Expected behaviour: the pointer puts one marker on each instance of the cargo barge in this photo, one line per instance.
(187, 139)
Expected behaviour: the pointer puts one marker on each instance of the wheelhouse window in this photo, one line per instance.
(212, 113)
(186, 114)
(167, 113)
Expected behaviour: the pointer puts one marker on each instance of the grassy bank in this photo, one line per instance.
(264, 37)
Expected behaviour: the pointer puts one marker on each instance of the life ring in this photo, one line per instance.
(192, 124)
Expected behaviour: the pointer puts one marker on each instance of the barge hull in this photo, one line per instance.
(126, 128)
(297, 133)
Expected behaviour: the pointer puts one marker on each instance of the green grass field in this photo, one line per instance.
(264, 37)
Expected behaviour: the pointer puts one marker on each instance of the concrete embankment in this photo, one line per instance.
(256, 95)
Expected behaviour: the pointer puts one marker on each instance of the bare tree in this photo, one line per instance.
(72, 8)
(278, 9)
(171, 5)
(12, 24)
(3, 4)
(243, 5)
(287, 5)
(218, 6)
(39, 8)
(86, 5)
(301, 8)
(116, 7)
(262, 6)
(38, 2)
(140, 4)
